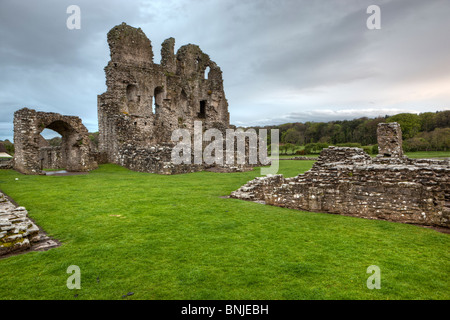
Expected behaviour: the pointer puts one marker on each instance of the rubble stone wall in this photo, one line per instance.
(145, 101)
(6, 164)
(51, 158)
(155, 159)
(17, 232)
(348, 181)
(76, 150)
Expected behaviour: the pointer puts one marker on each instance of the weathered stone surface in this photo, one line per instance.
(347, 181)
(51, 157)
(389, 137)
(6, 164)
(76, 150)
(18, 232)
(145, 101)
(16, 229)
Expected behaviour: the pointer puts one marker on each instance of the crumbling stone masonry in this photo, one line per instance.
(18, 232)
(75, 153)
(145, 101)
(389, 137)
(348, 181)
(51, 157)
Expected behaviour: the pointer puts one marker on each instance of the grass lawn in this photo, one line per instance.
(174, 237)
(413, 155)
(428, 154)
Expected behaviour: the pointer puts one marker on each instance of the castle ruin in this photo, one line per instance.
(145, 101)
(143, 104)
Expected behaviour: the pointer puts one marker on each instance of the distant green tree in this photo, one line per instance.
(94, 137)
(409, 122)
(427, 121)
(443, 119)
(9, 146)
(293, 136)
(289, 147)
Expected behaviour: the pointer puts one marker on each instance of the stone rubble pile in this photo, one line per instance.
(17, 231)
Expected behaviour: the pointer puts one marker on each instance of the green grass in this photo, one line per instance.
(414, 155)
(428, 154)
(175, 237)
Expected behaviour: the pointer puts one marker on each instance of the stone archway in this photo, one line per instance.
(76, 150)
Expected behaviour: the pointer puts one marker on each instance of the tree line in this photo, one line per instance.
(428, 131)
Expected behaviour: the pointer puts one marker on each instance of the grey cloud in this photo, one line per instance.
(280, 59)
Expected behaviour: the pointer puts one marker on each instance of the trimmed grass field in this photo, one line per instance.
(413, 155)
(175, 237)
(428, 154)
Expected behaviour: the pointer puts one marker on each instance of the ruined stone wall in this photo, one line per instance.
(413, 192)
(348, 181)
(158, 159)
(145, 101)
(17, 232)
(155, 159)
(51, 158)
(76, 153)
(6, 164)
(389, 137)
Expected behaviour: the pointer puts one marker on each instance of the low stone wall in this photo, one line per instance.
(155, 159)
(16, 230)
(6, 164)
(158, 159)
(347, 181)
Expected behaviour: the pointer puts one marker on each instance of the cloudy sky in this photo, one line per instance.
(282, 60)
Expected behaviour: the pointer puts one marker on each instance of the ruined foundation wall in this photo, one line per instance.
(17, 232)
(346, 181)
(155, 159)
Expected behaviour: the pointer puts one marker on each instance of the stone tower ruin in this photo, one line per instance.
(389, 136)
(145, 101)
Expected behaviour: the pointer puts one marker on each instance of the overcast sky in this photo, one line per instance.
(282, 60)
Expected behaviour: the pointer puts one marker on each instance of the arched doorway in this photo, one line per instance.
(50, 155)
(75, 148)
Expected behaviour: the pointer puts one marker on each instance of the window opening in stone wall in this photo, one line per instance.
(159, 95)
(202, 113)
(132, 95)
